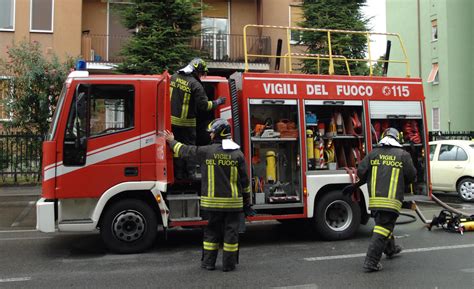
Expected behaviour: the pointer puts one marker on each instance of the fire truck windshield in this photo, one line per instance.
(54, 121)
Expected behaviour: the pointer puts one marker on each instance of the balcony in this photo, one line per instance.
(222, 51)
(226, 51)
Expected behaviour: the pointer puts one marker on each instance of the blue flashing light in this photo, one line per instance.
(81, 65)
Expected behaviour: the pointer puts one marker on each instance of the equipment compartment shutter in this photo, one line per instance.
(395, 109)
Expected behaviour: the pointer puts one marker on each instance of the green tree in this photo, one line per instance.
(335, 14)
(163, 34)
(35, 83)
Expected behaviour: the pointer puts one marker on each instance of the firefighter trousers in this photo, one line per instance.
(185, 135)
(382, 240)
(222, 227)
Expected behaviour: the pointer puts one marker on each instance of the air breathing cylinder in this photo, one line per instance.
(310, 148)
(271, 167)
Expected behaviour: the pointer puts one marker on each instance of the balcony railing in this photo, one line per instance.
(230, 47)
(102, 47)
(213, 47)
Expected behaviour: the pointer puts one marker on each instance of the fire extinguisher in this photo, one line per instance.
(310, 149)
(271, 166)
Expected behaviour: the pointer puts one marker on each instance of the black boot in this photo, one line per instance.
(208, 260)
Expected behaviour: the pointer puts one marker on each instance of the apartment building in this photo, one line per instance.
(90, 29)
(439, 38)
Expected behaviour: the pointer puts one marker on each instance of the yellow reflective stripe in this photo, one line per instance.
(374, 181)
(248, 189)
(233, 182)
(212, 181)
(392, 191)
(171, 92)
(382, 231)
(209, 182)
(185, 106)
(221, 203)
(231, 247)
(209, 105)
(210, 246)
(183, 121)
(382, 202)
(176, 149)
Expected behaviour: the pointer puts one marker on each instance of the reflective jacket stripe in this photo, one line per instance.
(374, 182)
(185, 106)
(191, 122)
(382, 202)
(233, 182)
(210, 181)
(210, 104)
(382, 231)
(231, 247)
(248, 190)
(221, 203)
(176, 149)
(392, 191)
(210, 246)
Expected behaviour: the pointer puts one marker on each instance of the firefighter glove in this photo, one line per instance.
(220, 100)
(249, 211)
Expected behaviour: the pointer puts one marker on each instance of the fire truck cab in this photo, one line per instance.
(106, 167)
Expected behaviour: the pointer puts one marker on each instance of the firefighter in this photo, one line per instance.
(387, 169)
(225, 191)
(187, 98)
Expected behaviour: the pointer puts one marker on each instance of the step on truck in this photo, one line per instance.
(106, 167)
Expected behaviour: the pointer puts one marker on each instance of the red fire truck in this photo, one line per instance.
(106, 167)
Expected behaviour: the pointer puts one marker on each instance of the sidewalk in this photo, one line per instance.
(20, 190)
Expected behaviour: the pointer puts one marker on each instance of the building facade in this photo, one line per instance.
(91, 30)
(439, 38)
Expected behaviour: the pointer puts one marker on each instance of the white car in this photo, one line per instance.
(452, 167)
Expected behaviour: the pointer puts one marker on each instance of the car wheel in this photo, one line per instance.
(336, 216)
(466, 189)
(129, 226)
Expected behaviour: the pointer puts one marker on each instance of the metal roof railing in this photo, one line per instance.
(289, 56)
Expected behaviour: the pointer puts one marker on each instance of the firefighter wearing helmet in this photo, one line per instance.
(388, 169)
(188, 97)
(225, 191)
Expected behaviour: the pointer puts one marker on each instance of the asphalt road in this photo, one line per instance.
(272, 256)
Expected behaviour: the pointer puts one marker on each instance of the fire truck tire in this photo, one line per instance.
(129, 226)
(336, 216)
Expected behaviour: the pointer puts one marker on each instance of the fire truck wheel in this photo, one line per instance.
(336, 216)
(129, 226)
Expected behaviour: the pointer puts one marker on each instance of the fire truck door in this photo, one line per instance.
(101, 140)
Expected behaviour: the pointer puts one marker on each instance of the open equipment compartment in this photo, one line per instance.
(407, 118)
(275, 153)
(335, 134)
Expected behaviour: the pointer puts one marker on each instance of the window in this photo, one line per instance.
(111, 109)
(451, 153)
(215, 27)
(296, 16)
(42, 12)
(432, 151)
(434, 30)
(7, 15)
(435, 118)
(433, 77)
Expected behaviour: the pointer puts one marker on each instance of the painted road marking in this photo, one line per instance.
(20, 279)
(416, 250)
(305, 286)
(18, 231)
(23, 214)
(24, 238)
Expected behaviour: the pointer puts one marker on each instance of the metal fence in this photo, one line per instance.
(20, 157)
(452, 135)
